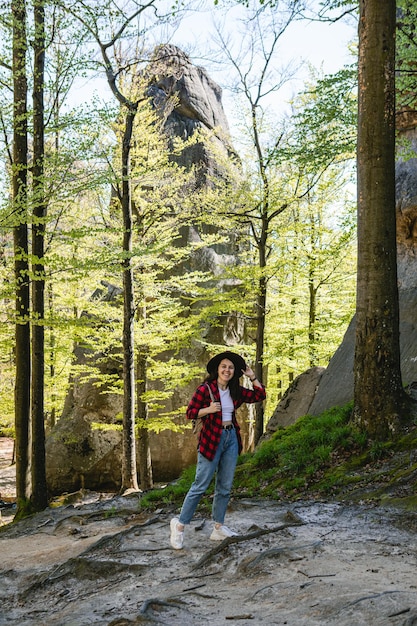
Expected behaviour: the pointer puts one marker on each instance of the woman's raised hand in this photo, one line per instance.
(249, 372)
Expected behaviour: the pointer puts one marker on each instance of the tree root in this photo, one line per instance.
(160, 602)
(277, 552)
(371, 597)
(239, 539)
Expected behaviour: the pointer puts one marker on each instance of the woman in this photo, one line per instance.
(219, 445)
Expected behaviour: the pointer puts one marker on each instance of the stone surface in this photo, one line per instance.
(196, 106)
(101, 561)
(296, 401)
(336, 385)
(84, 449)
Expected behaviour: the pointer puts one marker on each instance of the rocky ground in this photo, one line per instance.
(100, 561)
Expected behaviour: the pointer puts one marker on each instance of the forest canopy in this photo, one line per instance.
(311, 250)
(97, 195)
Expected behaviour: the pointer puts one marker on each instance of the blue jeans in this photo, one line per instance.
(225, 463)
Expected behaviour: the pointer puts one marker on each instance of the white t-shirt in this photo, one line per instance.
(227, 405)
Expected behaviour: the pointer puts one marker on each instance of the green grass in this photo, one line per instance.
(172, 494)
(318, 456)
(284, 464)
(296, 456)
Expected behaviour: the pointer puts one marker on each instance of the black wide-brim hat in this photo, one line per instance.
(237, 360)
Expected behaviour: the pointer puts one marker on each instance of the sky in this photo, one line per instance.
(323, 45)
(326, 46)
(320, 43)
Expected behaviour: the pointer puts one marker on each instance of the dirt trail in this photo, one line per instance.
(6, 457)
(100, 561)
(103, 563)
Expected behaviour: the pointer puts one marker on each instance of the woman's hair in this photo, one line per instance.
(233, 385)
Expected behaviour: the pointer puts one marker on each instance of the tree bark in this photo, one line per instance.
(144, 450)
(379, 398)
(21, 254)
(38, 471)
(261, 296)
(129, 471)
(260, 347)
(312, 290)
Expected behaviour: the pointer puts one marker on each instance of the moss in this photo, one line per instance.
(24, 509)
(106, 427)
(407, 441)
(409, 503)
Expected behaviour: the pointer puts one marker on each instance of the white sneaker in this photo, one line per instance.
(177, 536)
(222, 532)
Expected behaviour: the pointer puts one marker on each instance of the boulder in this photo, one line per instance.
(295, 402)
(84, 449)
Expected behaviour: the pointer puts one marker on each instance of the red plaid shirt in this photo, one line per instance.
(212, 424)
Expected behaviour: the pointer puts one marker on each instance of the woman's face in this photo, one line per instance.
(225, 371)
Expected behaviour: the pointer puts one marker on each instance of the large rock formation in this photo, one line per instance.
(80, 451)
(190, 103)
(336, 385)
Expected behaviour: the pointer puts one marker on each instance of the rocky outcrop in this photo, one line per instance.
(295, 402)
(336, 385)
(84, 448)
(189, 101)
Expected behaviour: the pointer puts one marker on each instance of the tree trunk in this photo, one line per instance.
(38, 471)
(260, 340)
(21, 252)
(144, 450)
(312, 312)
(129, 472)
(379, 399)
(312, 289)
(52, 341)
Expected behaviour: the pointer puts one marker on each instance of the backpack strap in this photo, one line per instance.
(210, 392)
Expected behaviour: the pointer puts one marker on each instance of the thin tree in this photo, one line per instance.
(39, 491)
(21, 254)
(144, 450)
(380, 402)
(129, 107)
(256, 83)
(129, 473)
